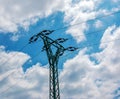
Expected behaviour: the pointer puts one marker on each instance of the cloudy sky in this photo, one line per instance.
(92, 72)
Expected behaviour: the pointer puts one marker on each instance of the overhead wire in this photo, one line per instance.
(89, 45)
(93, 32)
(66, 55)
(94, 44)
(16, 81)
(18, 68)
(21, 49)
(89, 33)
(116, 12)
(71, 26)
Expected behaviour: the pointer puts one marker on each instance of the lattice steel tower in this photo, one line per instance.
(53, 57)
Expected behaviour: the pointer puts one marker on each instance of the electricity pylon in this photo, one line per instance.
(53, 57)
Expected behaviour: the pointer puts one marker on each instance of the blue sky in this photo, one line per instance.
(88, 73)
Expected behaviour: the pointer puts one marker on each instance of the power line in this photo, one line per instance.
(16, 81)
(27, 61)
(82, 46)
(9, 59)
(14, 55)
(70, 26)
(90, 33)
(116, 12)
(94, 44)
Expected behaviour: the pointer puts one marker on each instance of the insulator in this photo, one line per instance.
(61, 53)
(47, 32)
(32, 37)
(61, 40)
(38, 34)
(35, 39)
(52, 31)
(71, 48)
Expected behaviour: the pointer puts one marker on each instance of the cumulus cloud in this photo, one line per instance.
(76, 13)
(81, 78)
(110, 50)
(8, 60)
(23, 13)
(30, 85)
(98, 24)
(33, 84)
(15, 14)
(85, 79)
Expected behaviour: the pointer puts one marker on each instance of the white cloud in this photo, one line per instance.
(80, 11)
(15, 83)
(98, 24)
(84, 79)
(15, 37)
(31, 85)
(77, 78)
(76, 13)
(80, 77)
(115, 1)
(23, 13)
(110, 51)
(8, 60)
(15, 14)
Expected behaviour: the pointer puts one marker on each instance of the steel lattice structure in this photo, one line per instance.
(53, 58)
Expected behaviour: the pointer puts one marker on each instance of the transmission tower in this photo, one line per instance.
(53, 57)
